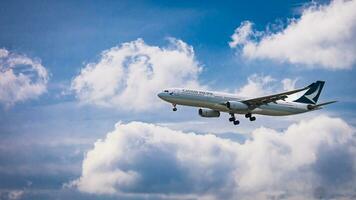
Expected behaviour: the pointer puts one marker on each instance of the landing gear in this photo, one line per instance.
(233, 119)
(248, 115)
(174, 107)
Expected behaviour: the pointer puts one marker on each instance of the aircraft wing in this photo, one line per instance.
(271, 98)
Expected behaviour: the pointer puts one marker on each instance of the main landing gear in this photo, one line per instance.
(252, 118)
(233, 119)
(236, 122)
(174, 107)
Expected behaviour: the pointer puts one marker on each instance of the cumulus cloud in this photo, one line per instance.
(324, 36)
(242, 34)
(11, 194)
(15, 194)
(21, 78)
(314, 158)
(260, 85)
(129, 76)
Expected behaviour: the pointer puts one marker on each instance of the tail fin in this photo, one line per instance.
(311, 96)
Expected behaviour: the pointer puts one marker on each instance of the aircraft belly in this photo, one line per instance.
(276, 110)
(198, 101)
(269, 112)
(191, 101)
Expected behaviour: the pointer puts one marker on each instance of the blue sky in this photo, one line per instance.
(46, 135)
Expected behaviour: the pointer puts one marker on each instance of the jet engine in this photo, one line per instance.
(208, 113)
(235, 105)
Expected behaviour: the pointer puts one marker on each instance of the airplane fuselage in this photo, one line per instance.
(217, 101)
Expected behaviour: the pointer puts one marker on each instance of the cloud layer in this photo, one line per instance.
(129, 76)
(314, 158)
(22, 78)
(259, 85)
(324, 36)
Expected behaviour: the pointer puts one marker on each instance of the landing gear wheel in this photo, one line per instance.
(248, 115)
(252, 118)
(174, 109)
(233, 119)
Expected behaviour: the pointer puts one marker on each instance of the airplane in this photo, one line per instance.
(212, 103)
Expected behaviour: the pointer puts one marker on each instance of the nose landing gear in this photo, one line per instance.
(174, 107)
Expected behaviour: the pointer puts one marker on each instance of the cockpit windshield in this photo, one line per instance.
(165, 91)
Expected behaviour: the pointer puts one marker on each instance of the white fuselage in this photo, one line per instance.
(217, 101)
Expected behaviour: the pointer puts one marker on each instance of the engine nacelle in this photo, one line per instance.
(235, 105)
(208, 113)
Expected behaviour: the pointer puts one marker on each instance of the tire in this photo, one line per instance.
(174, 109)
(237, 122)
(252, 118)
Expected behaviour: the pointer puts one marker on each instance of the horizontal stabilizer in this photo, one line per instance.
(311, 107)
(326, 103)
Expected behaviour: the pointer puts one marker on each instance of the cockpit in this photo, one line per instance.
(170, 92)
(166, 93)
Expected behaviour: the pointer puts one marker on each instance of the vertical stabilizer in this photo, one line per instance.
(311, 96)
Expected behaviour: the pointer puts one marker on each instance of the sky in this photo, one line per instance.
(80, 117)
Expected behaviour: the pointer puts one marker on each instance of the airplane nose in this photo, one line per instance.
(160, 95)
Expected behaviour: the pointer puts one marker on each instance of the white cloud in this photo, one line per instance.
(259, 85)
(11, 194)
(15, 194)
(324, 36)
(22, 78)
(312, 158)
(289, 84)
(4, 53)
(242, 34)
(130, 76)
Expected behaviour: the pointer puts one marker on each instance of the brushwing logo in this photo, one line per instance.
(313, 95)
